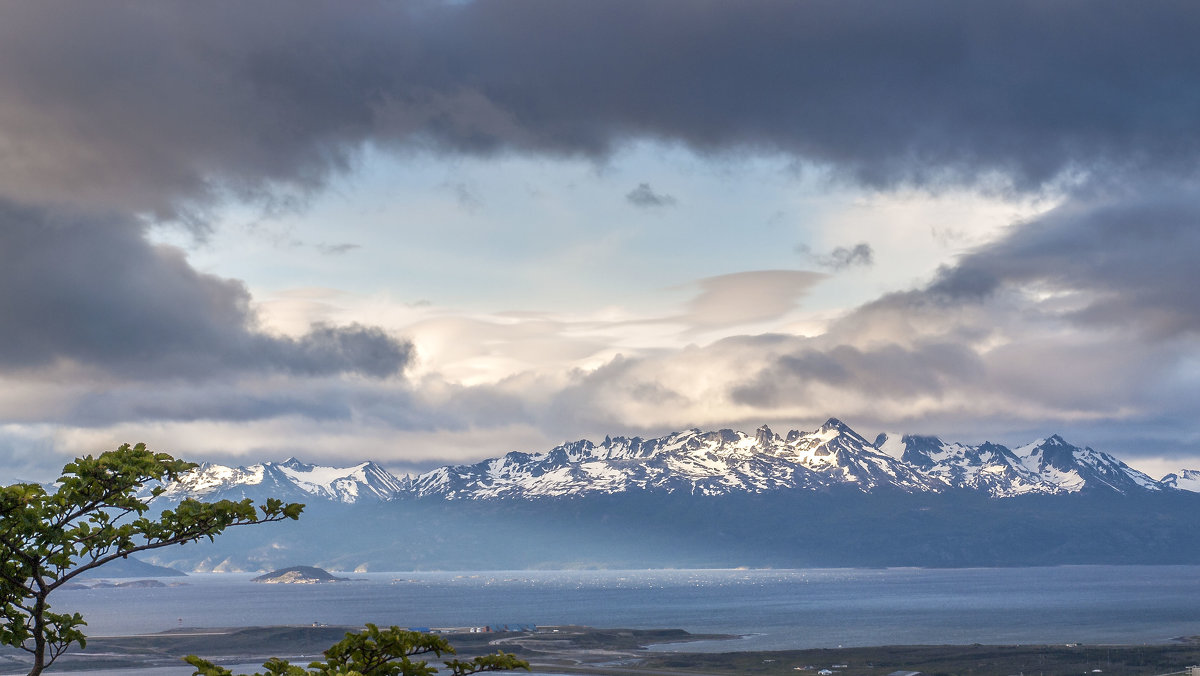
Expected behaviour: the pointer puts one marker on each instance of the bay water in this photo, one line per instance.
(771, 609)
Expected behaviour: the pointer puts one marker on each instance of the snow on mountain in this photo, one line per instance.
(714, 463)
(1184, 480)
(290, 479)
(348, 484)
(988, 467)
(707, 463)
(1074, 468)
(704, 463)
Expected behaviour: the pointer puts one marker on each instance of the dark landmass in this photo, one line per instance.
(299, 575)
(140, 584)
(167, 649)
(799, 529)
(616, 652)
(977, 660)
(130, 584)
(572, 646)
(131, 567)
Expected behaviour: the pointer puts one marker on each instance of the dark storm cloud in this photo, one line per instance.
(115, 112)
(881, 372)
(1083, 318)
(158, 108)
(841, 257)
(327, 400)
(1126, 262)
(645, 197)
(91, 290)
(225, 403)
(324, 350)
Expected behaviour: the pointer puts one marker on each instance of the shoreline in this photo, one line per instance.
(580, 650)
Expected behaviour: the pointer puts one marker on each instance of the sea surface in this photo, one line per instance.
(771, 609)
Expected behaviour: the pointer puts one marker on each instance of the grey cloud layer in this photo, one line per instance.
(149, 108)
(841, 257)
(110, 112)
(1087, 315)
(1127, 261)
(645, 196)
(90, 290)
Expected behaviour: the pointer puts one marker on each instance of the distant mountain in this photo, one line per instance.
(693, 499)
(828, 497)
(1073, 469)
(725, 462)
(288, 480)
(130, 567)
(702, 463)
(722, 462)
(988, 468)
(1184, 480)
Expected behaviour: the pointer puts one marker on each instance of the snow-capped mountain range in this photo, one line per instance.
(707, 463)
(1185, 480)
(290, 479)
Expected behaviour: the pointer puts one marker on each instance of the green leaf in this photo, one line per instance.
(94, 516)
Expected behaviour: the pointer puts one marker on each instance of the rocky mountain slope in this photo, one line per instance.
(289, 480)
(1185, 480)
(723, 462)
(820, 498)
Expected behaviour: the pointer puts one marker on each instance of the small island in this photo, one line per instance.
(140, 584)
(299, 575)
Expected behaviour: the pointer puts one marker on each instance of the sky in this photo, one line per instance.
(434, 232)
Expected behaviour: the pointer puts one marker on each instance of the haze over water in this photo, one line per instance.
(775, 609)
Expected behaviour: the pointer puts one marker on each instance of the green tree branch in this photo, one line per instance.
(93, 517)
(377, 652)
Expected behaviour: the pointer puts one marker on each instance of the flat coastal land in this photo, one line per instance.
(623, 652)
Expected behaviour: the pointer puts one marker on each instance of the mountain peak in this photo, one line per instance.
(290, 479)
(1184, 479)
(1080, 469)
(837, 427)
(764, 436)
(707, 463)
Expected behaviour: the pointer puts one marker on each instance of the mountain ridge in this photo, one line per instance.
(693, 499)
(719, 462)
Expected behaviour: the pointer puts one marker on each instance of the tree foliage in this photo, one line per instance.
(377, 652)
(95, 516)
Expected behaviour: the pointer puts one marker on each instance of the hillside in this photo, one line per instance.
(715, 499)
